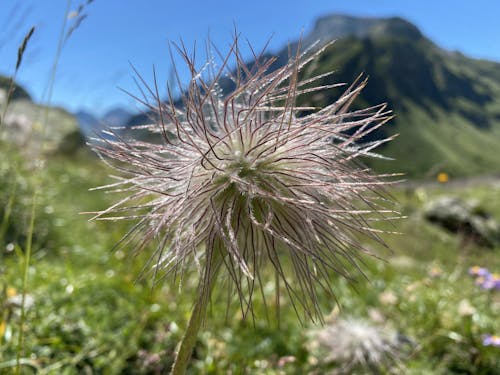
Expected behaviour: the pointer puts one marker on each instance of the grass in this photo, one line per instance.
(91, 314)
(430, 137)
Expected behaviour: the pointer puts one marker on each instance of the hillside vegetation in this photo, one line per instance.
(88, 312)
(447, 106)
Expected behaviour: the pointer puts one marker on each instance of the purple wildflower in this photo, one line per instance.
(491, 340)
(486, 283)
(489, 281)
(495, 279)
(478, 271)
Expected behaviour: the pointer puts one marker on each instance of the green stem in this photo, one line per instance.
(8, 211)
(27, 257)
(197, 315)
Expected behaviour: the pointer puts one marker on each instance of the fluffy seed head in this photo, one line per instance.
(249, 180)
(356, 346)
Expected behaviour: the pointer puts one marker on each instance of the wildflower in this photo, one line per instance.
(283, 361)
(242, 180)
(261, 364)
(481, 280)
(487, 283)
(249, 179)
(491, 340)
(150, 362)
(465, 308)
(478, 271)
(435, 271)
(388, 298)
(376, 315)
(443, 177)
(488, 280)
(411, 288)
(16, 301)
(11, 292)
(3, 325)
(495, 279)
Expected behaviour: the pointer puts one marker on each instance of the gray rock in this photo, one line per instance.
(34, 128)
(465, 217)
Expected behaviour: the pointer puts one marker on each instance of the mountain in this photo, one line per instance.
(339, 26)
(447, 105)
(17, 93)
(87, 122)
(90, 124)
(116, 117)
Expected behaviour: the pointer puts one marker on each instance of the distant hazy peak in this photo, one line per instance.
(117, 116)
(338, 26)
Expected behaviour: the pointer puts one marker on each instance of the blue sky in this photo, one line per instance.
(95, 59)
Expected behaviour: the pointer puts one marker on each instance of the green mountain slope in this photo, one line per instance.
(447, 106)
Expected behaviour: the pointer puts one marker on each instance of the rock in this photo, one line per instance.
(464, 217)
(34, 128)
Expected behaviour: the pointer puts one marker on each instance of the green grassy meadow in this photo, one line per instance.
(88, 312)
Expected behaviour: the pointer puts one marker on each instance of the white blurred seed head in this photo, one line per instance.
(353, 345)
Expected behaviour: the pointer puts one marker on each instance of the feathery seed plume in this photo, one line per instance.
(250, 179)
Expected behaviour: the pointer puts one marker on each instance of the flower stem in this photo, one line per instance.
(27, 258)
(197, 315)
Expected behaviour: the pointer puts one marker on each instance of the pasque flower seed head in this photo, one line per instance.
(249, 180)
